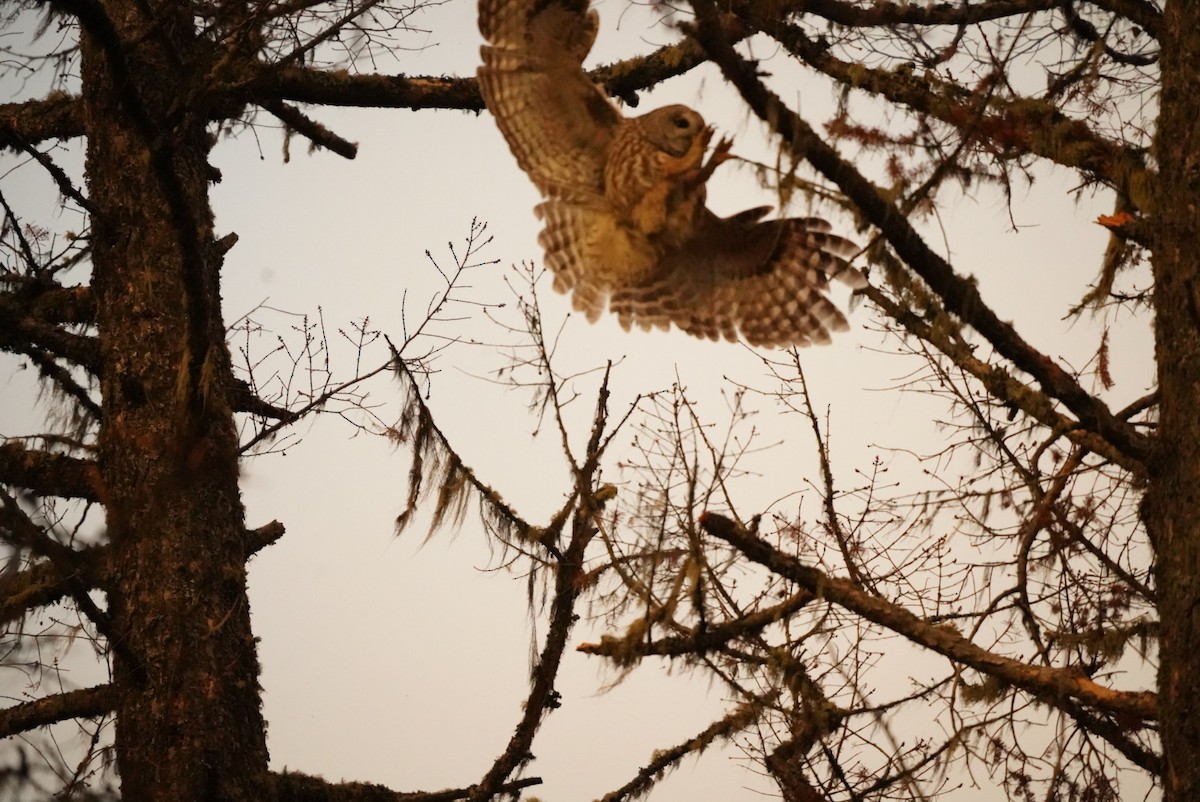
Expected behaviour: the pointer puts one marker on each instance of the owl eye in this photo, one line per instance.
(682, 122)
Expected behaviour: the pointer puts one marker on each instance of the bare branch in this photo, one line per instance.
(960, 296)
(84, 703)
(723, 729)
(292, 786)
(568, 588)
(1010, 126)
(318, 134)
(1047, 684)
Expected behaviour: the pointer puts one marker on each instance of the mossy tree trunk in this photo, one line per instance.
(1173, 497)
(189, 724)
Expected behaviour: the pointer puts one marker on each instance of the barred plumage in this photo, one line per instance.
(625, 222)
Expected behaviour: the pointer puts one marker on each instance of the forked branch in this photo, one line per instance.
(1046, 683)
(959, 295)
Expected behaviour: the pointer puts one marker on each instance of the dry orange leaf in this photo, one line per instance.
(1115, 220)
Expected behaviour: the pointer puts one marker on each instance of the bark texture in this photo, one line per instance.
(189, 724)
(1173, 496)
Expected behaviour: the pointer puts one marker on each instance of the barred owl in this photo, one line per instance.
(626, 224)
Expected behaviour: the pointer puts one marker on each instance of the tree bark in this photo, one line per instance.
(189, 723)
(1173, 495)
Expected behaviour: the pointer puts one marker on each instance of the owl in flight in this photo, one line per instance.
(624, 197)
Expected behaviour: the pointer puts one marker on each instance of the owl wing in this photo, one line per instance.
(556, 121)
(764, 280)
(591, 252)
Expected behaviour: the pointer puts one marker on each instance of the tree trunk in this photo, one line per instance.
(1172, 509)
(189, 724)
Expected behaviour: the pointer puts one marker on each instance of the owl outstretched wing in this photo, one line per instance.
(763, 280)
(557, 123)
(625, 222)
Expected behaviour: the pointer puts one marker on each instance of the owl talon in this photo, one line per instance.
(719, 156)
(721, 152)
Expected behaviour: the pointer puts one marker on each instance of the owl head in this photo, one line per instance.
(672, 128)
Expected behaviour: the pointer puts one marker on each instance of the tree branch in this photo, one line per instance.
(1047, 684)
(43, 583)
(1087, 32)
(258, 539)
(35, 586)
(56, 116)
(49, 369)
(310, 129)
(60, 177)
(567, 589)
(48, 474)
(20, 333)
(83, 703)
(1022, 125)
(960, 296)
(61, 117)
(997, 382)
(24, 532)
(723, 728)
(712, 637)
(1139, 12)
(1116, 734)
(622, 79)
(58, 305)
(879, 14)
(291, 786)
